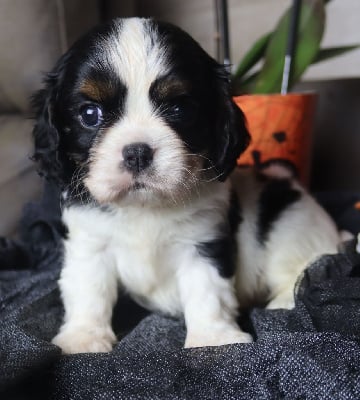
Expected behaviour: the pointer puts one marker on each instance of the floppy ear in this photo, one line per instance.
(45, 134)
(231, 136)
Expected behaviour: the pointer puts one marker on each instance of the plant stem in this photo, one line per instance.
(292, 36)
(222, 19)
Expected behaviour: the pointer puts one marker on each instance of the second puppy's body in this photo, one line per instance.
(283, 230)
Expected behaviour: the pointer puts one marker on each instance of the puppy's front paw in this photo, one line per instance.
(85, 339)
(217, 338)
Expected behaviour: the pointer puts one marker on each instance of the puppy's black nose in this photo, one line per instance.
(137, 157)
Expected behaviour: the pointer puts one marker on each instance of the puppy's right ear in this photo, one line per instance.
(45, 133)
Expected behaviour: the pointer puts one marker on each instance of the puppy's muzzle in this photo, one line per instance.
(137, 157)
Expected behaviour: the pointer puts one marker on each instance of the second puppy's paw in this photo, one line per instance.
(85, 339)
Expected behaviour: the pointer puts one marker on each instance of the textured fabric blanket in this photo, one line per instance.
(310, 352)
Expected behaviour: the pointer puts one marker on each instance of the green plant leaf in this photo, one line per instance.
(325, 54)
(244, 85)
(310, 30)
(252, 56)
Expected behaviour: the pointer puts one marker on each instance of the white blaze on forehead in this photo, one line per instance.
(139, 57)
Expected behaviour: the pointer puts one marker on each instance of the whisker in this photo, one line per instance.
(76, 188)
(214, 178)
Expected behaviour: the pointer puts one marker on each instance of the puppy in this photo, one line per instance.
(137, 124)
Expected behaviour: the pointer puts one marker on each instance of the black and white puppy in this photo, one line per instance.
(137, 124)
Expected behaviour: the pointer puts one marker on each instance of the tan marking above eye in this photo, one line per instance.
(169, 88)
(96, 90)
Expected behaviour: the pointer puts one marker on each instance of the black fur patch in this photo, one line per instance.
(203, 114)
(234, 214)
(223, 251)
(274, 199)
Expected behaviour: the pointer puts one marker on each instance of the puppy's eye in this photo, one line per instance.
(91, 115)
(182, 109)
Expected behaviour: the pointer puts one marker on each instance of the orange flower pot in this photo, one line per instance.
(281, 128)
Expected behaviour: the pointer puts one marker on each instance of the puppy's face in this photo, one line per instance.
(137, 110)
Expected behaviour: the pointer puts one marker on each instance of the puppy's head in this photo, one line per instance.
(136, 109)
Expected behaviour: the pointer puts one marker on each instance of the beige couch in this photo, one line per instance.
(33, 34)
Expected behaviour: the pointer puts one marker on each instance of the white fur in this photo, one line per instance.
(139, 57)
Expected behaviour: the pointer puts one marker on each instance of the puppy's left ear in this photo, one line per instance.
(231, 135)
(46, 135)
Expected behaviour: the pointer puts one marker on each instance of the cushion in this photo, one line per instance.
(19, 181)
(31, 40)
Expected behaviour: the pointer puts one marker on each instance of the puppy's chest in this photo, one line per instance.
(140, 246)
(145, 254)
